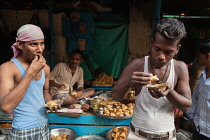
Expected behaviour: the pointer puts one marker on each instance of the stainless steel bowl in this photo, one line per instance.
(110, 132)
(88, 137)
(5, 130)
(71, 134)
(58, 102)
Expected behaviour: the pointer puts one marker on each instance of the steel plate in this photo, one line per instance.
(87, 137)
(70, 132)
(102, 86)
(58, 101)
(113, 117)
(5, 130)
(109, 133)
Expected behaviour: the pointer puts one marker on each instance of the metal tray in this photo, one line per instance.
(71, 134)
(58, 101)
(87, 137)
(5, 130)
(102, 86)
(112, 117)
(109, 133)
(68, 114)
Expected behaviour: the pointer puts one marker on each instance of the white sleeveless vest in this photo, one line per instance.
(154, 115)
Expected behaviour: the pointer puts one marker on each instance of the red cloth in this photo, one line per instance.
(177, 113)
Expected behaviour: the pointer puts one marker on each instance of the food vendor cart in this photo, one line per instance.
(86, 124)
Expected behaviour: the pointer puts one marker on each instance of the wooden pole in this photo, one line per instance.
(52, 50)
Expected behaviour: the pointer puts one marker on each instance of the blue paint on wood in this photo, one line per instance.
(86, 130)
(6, 120)
(87, 119)
(83, 125)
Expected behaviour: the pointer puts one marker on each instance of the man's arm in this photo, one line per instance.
(85, 93)
(54, 84)
(191, 111)
(80, 82)
(181, 96)
(46, 91)
(47, 96)
(10, 93)
(55, 73)
(132, 76)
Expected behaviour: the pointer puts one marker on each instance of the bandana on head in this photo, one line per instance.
(28, 32)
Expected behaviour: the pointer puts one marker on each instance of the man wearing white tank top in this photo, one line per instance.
(153, 117)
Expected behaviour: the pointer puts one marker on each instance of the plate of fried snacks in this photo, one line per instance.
(54, 103)
(111, 109)
(117, 133)
(63, 134)
(5, 128)
(103, 80)
(156, 87)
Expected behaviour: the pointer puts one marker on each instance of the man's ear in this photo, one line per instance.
(19, 45)
(178, 47)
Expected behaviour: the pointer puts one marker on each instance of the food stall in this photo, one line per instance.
(104, 114)
(86, 124)
(91, 122)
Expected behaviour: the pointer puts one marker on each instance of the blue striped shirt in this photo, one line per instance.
(200, 109)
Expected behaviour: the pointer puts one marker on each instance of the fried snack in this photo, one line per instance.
(120, 134)
(124, 128)
(58, 138)
(115, 129)
(155, 87)
(103, 79)
(5, 125)
(52, 103)
(61, 136)
(154, 78)
(130, 95)
(115, 108)
(73, 93)
(53, 137)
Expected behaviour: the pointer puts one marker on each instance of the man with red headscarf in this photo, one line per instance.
(24, 86)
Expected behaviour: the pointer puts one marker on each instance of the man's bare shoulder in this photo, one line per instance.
(8, 66)
(180, 68)
(47, 68)
(61, 64)
(179, 64)
(137, 62)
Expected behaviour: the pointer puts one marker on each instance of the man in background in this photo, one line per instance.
(199, 113)
(65, 75)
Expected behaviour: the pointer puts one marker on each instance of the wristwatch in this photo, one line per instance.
(83, 101)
